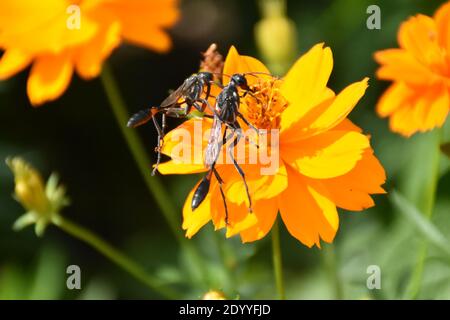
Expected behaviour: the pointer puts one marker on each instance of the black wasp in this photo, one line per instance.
(226, 112)
(178, 105)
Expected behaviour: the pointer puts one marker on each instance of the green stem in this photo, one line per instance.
(277, 263)
(137, 149)
(415, 282)
(114, 255)
(227, 262)
(154, 185)
(329, 255)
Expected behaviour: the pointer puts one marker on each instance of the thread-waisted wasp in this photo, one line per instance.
(226, 112)
(177, 105)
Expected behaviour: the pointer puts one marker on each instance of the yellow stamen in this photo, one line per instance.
(264, 107)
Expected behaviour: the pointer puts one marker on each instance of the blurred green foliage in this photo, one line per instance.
(78, 137)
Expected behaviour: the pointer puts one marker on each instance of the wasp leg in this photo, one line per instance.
(219, 179)
(177, 112)
(225, 138)
(159, 146)
(238, 132)
(208, 92)
(163, 131)
(202, 110)
(240, 115)
(250, 93)
(199, 108)
(205, 102)
(163, 125)
(239, 169)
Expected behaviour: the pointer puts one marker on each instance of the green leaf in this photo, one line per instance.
(422, 224)
(445, 148)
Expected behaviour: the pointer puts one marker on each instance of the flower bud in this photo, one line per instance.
(276, 35)
(214, 295)
(29, 189)
(42, 203)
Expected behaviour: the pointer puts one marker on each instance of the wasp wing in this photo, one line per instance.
(178, 94)
(214, 143)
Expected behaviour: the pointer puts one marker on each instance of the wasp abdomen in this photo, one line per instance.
(200, 193)
(141, 117)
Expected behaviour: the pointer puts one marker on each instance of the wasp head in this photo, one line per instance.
(239, 80)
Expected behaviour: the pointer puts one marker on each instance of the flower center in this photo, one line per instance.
(264, 106)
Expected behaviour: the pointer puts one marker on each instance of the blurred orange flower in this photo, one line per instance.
(59, 37)
(418, 100)
(324, 160)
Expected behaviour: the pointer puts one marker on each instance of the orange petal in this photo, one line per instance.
(163, 13)
(432, 107)
(261, 186)
(426, 111)
(249, 221)
(341, 106)
(173, 167)
(347, 125)
(401, 65)
(302, 128)
(239, 218)
(327, 114)
(396, 96)
(12, 62)
(419, 36)
(307, 211)
(185, 144)
(305, 85)
(142, 22)
(403, 121)
(352, 190)
(235, 63)
(195, 220)
(154, 39)
(49, 78)
(327, 155)
(89, 58)
(266, 213)
(36, 27)
(442, 18)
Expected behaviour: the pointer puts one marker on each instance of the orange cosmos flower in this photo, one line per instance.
(324, 159)
(58, 37)
(418, 99)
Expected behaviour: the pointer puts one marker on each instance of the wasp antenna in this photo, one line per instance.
(220, 74)
(254, 74)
